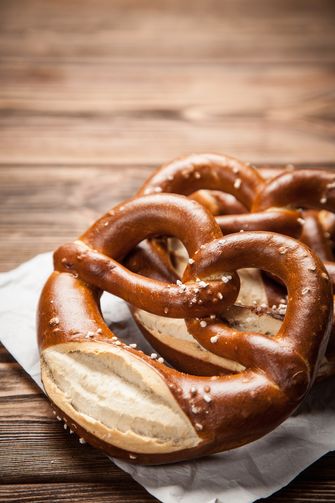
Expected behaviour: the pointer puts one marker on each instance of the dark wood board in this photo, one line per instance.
(93, 95)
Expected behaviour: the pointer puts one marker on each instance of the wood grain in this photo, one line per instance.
(232, 30)
(76, 492)
(122, 113)
(62, 201)
(93, 95)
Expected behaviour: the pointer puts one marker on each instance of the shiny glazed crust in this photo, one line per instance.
(157, 414)
(280, 194)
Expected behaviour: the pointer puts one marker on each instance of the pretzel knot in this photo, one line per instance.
(135, 407)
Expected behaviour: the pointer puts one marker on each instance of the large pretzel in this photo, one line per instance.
(135, 407)
(209, 171)
(235, 185)
(231, 188)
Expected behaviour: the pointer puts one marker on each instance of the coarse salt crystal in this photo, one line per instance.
(54, 321)
(203, 284)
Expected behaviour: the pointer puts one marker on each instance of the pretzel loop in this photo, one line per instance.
(132, 405)
(301, 188)
(273, 208)
(191, 175)
(120, 231)
(288, 356)
(206, 171)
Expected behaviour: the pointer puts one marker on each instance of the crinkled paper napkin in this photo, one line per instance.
(242, 475)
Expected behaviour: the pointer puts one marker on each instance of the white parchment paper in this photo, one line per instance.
(243, 475)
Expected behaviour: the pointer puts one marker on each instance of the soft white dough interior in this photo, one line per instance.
(173, 332)
(251, 284)
(116, 396)
(245, 319)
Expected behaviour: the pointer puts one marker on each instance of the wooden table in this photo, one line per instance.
(95, 94)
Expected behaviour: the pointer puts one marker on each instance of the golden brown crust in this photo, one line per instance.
(219, 412)
(206, 171)
(288, 187)
(274, 220)
(299, 189)
(314, 235)
(219, 203)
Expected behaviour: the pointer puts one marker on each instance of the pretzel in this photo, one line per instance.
(192, 174)
(304, 188)
(218, 203)
(136, 408)
(171, 338)
(206, 171)
(235, 185)
(314, 235)
(212, 171)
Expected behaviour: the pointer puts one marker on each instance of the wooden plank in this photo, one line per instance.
(62, 201)
(230, 30)
(115, 491)
(5, 357)
(13, 383)
(99, 113)
(72, 90)
(41, 451)
(96, 493)
(43, 207)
